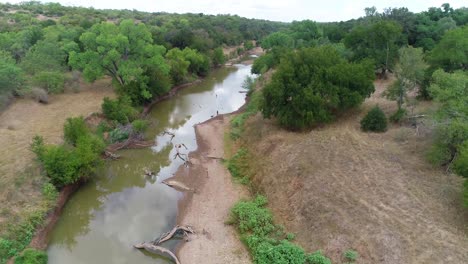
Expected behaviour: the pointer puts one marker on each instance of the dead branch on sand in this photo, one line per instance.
(153, 246)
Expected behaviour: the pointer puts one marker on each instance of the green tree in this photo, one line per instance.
(451, 53)
(409, 71)
(11, 76)
(218, 57)
(277, 39)
(378, 41)
(179, 65)
(44, 56)
(451, 91)
(125, 52)
(312, 85)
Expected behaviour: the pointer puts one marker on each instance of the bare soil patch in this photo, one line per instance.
(338, 188)
(207, 207)
(20, 181)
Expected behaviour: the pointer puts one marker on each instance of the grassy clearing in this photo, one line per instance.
(24, 196)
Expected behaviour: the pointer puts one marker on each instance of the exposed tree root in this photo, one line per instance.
(153, 246)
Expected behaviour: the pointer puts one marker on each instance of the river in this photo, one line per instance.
(121, 206)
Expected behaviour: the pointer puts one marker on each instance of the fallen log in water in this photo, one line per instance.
(177, 185)
(154, 247)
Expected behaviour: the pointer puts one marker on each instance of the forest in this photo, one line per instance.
(319, 72)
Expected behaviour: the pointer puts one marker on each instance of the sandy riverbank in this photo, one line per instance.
(207, 207)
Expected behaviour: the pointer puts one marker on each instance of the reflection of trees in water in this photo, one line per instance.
(75, 219)
(120, 174)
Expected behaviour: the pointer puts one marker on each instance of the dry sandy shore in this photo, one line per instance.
(207, 207)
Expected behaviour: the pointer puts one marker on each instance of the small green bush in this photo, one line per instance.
(398, 116)
(350, 255)
(238, 166)
(49, 191)
(66, 165)
(53, 82)
(252, 217)
(118, 135)
(139, 125)
(374, 121)
(255, 223)
(32, 256)
(74, 128)
(461, 161)
(120, 110)
(61, 165)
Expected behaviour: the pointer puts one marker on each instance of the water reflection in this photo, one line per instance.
(122, 206)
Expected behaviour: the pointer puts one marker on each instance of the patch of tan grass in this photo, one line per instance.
(20, 179)
(338, 188)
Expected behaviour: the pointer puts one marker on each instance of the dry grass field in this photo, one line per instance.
(20, 180)
(338, 188)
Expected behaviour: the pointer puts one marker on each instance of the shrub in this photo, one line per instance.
(283, 252)
(350, 255)
(255, 223)
(119, 110)
(74, 128)
(398, 116)
(118, 135)
(49, 191)
(38, 147)
(374, 121)
(139, 125)
(87, 152)
(61, 165)
(32, 256)
(238, 166)
(52, 82)
(66, 165)
(312, 85)
(461, 161)
(252, 217)
(317, 258)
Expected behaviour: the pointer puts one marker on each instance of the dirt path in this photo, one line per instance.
(207, 208)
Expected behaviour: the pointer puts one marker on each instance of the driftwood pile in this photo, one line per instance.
(154, 246)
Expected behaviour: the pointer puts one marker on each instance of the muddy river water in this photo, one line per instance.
(121, 206)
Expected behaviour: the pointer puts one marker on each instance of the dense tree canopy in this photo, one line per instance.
(451, 53)
(123, 51)
(313, 85)
(378, 41)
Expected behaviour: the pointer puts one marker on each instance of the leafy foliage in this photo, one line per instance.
(451, 53)
(52, 82)
(125, 51)
(378, 40)
(255, 223)
(73, 129)
(119, 110)
(32, 256)
(351, 255)
(312, 85)
(218, 57)
(139, 125)
(451, 142)
(374, 121)
(11, 76)
(409, 72)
